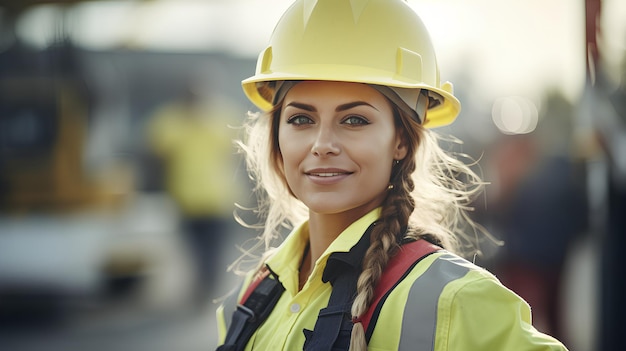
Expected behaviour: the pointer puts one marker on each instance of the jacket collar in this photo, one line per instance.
(351, 261)
(350, 245)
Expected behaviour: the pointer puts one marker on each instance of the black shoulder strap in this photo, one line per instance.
(333, 326)
(334, 323)
(255, 306)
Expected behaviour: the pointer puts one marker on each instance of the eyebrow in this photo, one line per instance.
(339, 108)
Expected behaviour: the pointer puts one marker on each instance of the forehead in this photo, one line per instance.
(331, 91)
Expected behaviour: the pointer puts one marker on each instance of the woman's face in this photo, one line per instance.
(338, 142)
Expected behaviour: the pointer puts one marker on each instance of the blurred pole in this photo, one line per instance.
(600, 120)
(593, 10)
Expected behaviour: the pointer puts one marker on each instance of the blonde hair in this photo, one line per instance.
(431, 195)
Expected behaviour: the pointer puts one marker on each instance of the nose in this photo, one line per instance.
(325, 143)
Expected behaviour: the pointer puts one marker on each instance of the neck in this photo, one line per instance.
(324, 229)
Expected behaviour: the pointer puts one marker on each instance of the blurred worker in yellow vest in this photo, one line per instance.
(192, 136)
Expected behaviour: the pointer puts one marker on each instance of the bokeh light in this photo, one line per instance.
(515, 115)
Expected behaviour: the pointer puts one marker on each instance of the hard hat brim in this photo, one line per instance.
(438, 116)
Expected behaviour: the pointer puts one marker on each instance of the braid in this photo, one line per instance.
(385, 236)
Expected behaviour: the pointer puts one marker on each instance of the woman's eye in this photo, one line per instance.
(299, 120)
(355, 120)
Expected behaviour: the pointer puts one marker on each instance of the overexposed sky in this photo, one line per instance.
(506, 47)
(509, 45)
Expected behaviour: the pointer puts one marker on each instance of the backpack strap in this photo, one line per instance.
(334, 323)
(255, 306)
(399, 266)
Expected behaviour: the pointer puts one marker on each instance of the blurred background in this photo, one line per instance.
(118, 177)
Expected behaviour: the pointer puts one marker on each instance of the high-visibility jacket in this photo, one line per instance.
(444, 303)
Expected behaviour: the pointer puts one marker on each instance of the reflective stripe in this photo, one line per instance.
(419, 321)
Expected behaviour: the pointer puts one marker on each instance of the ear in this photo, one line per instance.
(401, 148)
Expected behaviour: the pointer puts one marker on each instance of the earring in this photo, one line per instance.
(395, 163)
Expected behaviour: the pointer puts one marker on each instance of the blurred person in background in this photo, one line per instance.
(344, 153)
(193, 139)
(538, 208)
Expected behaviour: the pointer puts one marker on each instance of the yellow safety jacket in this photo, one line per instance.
(444, 303)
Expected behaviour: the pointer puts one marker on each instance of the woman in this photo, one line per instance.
(343, 154)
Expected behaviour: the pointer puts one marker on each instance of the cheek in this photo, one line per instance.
(377, 150)
(289, 151)
(375, 158)
(286, 164)
(284, 148)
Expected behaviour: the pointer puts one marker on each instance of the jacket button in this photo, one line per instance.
(295, 308)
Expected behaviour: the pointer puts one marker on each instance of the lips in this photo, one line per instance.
(327, 172)
(327, 176)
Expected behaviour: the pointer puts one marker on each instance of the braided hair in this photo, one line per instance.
(385, 236)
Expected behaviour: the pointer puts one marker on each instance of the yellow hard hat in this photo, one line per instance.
(380, 42)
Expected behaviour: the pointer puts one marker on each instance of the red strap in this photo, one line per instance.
(258, 278)
(407, 255)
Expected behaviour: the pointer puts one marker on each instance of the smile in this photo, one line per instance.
(333, 174)
(327, 176)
